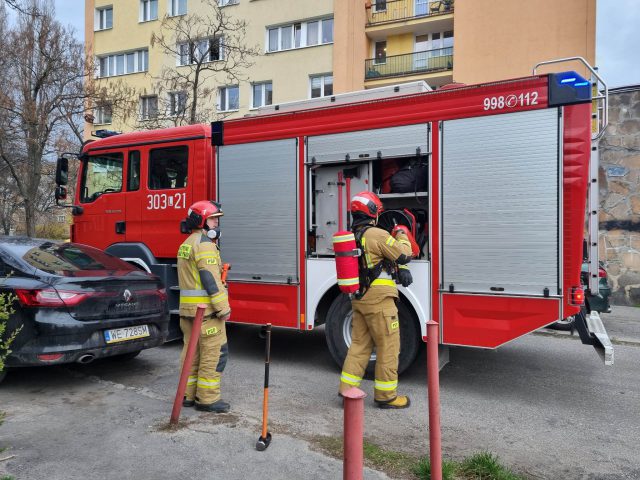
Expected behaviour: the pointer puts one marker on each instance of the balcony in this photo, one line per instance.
(387, 11)
(429, 61)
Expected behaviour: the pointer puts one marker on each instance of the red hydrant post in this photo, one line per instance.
(186, 365)
(353, 434)
(433, 379)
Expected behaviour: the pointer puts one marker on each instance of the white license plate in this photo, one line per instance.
(127, 333)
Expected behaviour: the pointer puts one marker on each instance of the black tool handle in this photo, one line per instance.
(267, 355)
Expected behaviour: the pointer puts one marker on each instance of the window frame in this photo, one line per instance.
(224, 91)
(186, 51)
(140, 56)
(174, 100)
(299, 34)
(99, 114)
(381, 60)
(144, 113)
(173, 9)
(323, 84)
(263, 92)
(182, 150)
(145, 11)
(117, 157)
(100, 15)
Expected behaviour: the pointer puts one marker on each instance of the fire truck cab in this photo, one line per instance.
(500, 205)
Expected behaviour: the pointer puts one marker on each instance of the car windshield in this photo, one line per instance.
(71, 260)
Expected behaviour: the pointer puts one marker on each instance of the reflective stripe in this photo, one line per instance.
(390, 241)
(350, 379)
(343, 238)
(194, 299)
(208, 383)
(385, 386)
(384, 281)
(406, 267)
(349, 281)
(220, 297)
(192, 380)
(194, 293)
(366, 254)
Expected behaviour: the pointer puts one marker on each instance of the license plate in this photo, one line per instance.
(127, 333)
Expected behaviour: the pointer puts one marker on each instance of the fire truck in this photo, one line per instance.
(509, 168)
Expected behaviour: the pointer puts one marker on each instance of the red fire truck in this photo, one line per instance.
(501, 206)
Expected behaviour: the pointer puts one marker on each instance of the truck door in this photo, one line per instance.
(500, 221)
(100, 196)
(159, 193)
(258, 189)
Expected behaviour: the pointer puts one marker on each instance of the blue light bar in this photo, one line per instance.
(568, 80)
(568, 88)
(581, 84)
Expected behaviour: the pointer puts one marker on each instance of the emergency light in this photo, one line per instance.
(568, 88)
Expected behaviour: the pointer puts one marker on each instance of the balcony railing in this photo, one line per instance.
(385, 11)
(409, 64)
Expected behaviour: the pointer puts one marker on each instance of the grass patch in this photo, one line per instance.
(7, 477)
(481, 466)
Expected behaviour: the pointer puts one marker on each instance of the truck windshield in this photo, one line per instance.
(101, 174)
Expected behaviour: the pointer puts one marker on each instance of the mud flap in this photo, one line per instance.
(592, 332)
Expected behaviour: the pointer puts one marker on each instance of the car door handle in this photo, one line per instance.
(121, 227)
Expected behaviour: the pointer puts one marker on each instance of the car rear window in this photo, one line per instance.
(71, 260)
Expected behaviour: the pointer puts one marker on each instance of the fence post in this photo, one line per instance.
(433, 381)
(353, 434)
(186, 365)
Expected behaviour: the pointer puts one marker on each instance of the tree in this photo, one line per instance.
(48, 85)
(210, 48)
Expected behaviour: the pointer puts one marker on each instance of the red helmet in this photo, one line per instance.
(200, 211)
(367, 203)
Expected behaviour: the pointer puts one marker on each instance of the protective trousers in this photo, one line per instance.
(374, 324)
(209, 360)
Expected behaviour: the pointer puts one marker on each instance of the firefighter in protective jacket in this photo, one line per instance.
(375, 315)
(199, 276)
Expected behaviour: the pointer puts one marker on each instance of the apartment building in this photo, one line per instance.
(321, 47)
(294, 39)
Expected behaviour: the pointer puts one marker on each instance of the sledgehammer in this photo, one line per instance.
(265, 439)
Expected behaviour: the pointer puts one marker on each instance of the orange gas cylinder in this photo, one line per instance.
(347, 253)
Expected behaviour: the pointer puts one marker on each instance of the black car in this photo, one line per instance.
(75, 303)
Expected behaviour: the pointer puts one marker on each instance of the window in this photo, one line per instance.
(381, 52)
(101, 174)
(148, 10)
(104, 18)
(168, 168)
(229, 98)
(448, 40)
(321, 86)
(133, 171)
(102, 114)
(380, 5)
(298, 35)
(148, 107)
(177, 7)
(123, 63)
(262, 94)
(205, 50)
(177, 103)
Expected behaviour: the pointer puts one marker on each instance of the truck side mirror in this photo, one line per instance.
(60, 193)
(62, 172)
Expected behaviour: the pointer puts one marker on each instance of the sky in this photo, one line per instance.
(617, 36)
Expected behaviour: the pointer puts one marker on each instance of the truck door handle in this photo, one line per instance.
(121, 227)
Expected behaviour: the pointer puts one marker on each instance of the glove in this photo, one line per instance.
(404, 276)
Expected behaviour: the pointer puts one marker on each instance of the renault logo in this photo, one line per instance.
(127, 295)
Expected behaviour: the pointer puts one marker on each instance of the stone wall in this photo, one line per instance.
(620, 195)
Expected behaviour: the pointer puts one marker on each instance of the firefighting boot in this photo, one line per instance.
(216, 407)
(401, 401)
(188, 403)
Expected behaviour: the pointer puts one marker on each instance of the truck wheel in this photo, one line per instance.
(337, 330)
(567, 324)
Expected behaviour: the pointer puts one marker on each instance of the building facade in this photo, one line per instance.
(309, 49)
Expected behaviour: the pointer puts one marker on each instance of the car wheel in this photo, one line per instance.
(338, 334)
(127, 356)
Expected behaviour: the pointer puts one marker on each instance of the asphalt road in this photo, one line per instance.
(545, 404)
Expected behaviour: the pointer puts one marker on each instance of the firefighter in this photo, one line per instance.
(199, 276)
(375, 315)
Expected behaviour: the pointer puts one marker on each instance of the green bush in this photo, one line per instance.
(6, 338)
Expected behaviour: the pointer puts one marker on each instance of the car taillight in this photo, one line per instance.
(163, 294)
(602, 273)
(577, 296)
(49, 297)
(50, 357)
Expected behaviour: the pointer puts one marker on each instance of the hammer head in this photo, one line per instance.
(263, 442)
